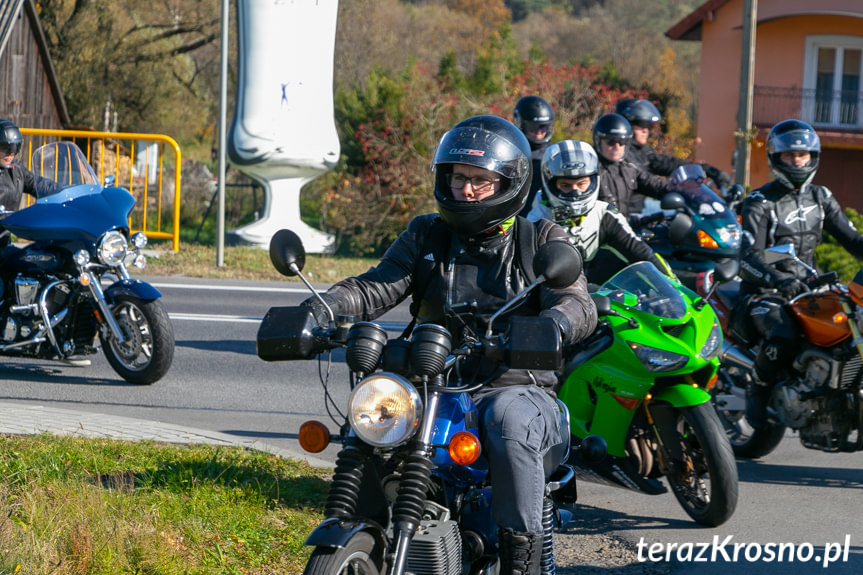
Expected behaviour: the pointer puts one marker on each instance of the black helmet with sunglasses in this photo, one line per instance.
(10, 137)
(613, 128)
(491, 143)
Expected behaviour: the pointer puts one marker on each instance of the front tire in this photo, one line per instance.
(705, 481)
(148, 351)
(359, 556)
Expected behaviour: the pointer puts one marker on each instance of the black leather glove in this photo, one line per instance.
(721, 179)
(791, 287)
(322, 316)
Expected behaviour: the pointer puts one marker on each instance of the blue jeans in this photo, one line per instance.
(518, 425)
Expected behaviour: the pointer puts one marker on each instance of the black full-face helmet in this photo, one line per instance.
(793, 136)
(611, 127)
(638, 112)
(532, 112)
(10, 137)
(491, 143)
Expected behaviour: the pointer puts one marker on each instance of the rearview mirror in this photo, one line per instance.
(559, 262)
(287, 251)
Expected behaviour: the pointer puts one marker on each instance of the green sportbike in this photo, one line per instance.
(641, 382)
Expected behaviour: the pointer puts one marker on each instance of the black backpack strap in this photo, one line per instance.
(525, 231)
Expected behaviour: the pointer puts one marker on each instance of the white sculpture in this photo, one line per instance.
(283, 133)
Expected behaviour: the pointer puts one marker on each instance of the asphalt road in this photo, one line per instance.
(802, 504)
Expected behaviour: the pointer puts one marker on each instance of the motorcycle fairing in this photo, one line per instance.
(823, 319)
(77, 214)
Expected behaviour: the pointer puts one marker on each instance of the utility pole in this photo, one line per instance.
(223, 115)
(743, 153)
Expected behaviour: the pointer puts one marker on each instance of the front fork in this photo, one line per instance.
(94, 284)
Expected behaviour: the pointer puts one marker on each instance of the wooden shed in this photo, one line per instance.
(30, 95)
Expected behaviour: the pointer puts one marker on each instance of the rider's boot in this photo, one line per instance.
(757, 398)
(520, 553)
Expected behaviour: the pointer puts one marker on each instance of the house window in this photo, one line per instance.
(832, 91)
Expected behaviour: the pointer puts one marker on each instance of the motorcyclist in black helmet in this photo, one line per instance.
(15, 178)
(482, 172)
(624, 184)
(570, 198)
(642, 116)
(535, 118)
(788, 210)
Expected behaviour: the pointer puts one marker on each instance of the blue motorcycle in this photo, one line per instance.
(68, 290)
(411, 492)
(696, 231)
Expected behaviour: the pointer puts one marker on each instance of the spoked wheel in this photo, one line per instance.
(359, 556)
(705, 480)
(148, 350)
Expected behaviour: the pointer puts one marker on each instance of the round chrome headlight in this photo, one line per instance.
(112, 248)
(384, 410)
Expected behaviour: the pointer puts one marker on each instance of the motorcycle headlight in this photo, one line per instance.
(658, 359)
(713, 343)
(112, 248)
(384, 410)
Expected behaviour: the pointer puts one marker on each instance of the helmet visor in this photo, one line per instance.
(478, 147)
(10, 147)
(800, 140)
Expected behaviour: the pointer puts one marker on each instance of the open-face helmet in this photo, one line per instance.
(10, 137)
(611, 127)
(638, 112)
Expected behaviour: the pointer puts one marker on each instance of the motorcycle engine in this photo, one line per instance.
(22, 318)
(435, 549)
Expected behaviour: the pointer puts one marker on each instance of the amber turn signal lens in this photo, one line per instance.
(464, 448)
(706, 241)
(314, 436)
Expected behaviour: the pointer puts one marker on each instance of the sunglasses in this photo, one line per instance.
(6, 148)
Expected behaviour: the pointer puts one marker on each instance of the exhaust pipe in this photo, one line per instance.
(733, 355)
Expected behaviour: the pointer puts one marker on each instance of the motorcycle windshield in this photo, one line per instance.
(63, 163)
(644, 288)
(72, 206)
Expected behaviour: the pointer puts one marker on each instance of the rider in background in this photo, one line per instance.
(624, 184)
(642, 115)
(570, 198)
(535, 118)
(788, 210)
(15, 179)
(482, 177)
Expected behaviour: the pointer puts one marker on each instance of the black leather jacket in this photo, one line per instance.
(773, 215)
(624, 185)
(484, 271)
(15, 181)
(663, 164)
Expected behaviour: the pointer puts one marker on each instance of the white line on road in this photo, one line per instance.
(212, 317)
(230, 288)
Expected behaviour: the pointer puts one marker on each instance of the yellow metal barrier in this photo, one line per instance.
(114, 153)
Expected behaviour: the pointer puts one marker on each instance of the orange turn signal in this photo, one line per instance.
(706, 241)
(464, 448)
(314, 436)
(840, 318)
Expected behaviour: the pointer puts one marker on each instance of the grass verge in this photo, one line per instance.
(195, 260)
(72, 506)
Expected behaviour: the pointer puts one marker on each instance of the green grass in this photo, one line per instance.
(87, 506)
(196, 260)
